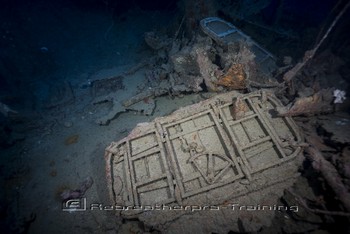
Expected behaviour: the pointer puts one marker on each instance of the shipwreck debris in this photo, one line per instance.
(211, 153)
(327, 154)
(320, 102)
(206, 68)
(107, 85)
(225, 33)
(239, 108)
(330, 174)
(142, 96)
(225, 60)
(234, 78)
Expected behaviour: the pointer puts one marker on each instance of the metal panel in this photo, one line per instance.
(210, 146)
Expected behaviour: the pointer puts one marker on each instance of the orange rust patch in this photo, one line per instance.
(234, 78)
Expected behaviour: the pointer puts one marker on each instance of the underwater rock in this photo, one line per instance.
(330, 174)
(206, 68)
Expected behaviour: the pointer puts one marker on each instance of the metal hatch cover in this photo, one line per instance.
(209, 146)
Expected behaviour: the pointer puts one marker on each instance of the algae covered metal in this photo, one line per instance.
(214, 146)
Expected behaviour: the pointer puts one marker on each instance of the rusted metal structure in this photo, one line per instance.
(216, 145)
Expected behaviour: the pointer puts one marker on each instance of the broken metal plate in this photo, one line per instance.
(225, 33)
(201, 148)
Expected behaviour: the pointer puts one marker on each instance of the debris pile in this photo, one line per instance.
(320, 102)
(220, 60)
(203, 64)
(220, 63)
